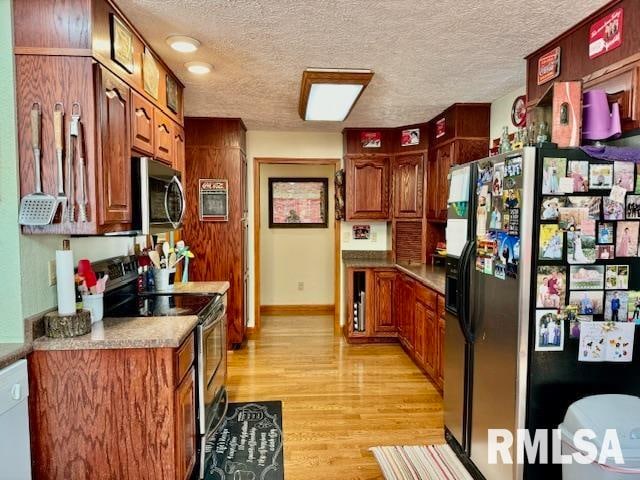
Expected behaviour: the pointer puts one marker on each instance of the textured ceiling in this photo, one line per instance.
(425, 54)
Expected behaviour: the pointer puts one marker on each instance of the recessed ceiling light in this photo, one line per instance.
(199, 68)
(183, 44)
(329, 94)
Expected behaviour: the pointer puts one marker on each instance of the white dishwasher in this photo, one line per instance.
(15, 456)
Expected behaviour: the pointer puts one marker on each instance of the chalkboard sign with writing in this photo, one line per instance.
(248, 444)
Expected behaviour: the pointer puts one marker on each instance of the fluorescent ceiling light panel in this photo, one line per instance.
(331, 102)
(330, 94)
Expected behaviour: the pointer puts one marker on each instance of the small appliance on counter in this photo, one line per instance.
(123, 299)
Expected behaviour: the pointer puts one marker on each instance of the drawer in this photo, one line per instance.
(184, 357)
(427, 296)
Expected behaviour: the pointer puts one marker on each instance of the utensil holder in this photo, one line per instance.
(95, 304)
(161, 277)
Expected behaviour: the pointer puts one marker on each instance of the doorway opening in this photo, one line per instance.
(297, 270)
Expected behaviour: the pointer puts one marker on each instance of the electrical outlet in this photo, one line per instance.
(52, 273)
(346, 236)
(374, 237)
(301, 286)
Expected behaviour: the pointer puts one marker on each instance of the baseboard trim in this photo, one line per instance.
(297, 309)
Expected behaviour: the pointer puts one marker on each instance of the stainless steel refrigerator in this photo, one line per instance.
(495, 374)
(487, 316)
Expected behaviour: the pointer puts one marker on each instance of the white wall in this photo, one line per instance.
(282, 145)
(501, 113)
(289, 256)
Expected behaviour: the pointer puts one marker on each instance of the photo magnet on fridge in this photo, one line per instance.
(612, 210)
(508, 249)
(632, 211)
(482, 211)
(605, 233)
(633, 307)
(600, 176)
(627, 239)
(498, 177)
(497, 212)
(571, 219)
(606, 342)
(551, 286)
(615, 306)
(605, 252)
(549, 331)
(581, 248)
(485, 172)
(624, 175)
(552, 170)
(592, 204)
(551, 241)
(513, 167)
(583, 277)
(588, 302)
(578, 172)
(550, 207)
(514, 221)
(617, 277)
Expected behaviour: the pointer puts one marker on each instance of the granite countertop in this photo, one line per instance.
(368, 263)
(431, 276)
(12, 352)
(128, 332)
(201, 287)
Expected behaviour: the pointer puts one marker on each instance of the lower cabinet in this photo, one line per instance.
(113, 413)
(385, 304)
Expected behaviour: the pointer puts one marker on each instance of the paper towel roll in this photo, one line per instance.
(66, 282)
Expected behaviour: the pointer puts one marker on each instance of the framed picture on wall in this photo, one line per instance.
(121, 44)
(298, 202)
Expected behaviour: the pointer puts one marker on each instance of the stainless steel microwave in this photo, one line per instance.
(158, 196)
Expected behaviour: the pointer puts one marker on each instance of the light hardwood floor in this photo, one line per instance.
(338, 399)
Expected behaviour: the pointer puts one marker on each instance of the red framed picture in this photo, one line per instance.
(371, 139)
(606, 34)
(519, 111)
(549, 66)
(440, 128)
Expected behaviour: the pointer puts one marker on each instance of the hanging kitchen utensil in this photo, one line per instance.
(70, 217)
(173, 259)
(82, 206)
(58, 122)
(165, 249)
(37, 208)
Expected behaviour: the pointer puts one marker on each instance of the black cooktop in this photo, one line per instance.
(156, 305)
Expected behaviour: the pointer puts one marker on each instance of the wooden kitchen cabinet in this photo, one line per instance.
(408, 184)
(114, 169)
(136, 417)
(438, 181)
(384, 317)
(186, 425)
(368, 184)
(118, 115)
(142, 124)
(164, 141)
(179, 150)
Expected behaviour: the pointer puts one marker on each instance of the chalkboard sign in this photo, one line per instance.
(248, 444)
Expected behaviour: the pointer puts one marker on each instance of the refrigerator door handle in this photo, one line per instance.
(462, 292)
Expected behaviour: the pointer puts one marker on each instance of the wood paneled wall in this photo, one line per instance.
(215, 148)
(574, 43)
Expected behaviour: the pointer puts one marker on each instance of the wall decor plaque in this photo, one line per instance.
(213, 200)
(549, 66)
(606, 33)
(150, 74)
(121, 44)
(172, 94)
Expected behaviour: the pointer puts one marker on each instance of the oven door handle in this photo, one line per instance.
(213, 320)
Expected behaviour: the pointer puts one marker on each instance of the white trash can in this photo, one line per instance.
(600, 413)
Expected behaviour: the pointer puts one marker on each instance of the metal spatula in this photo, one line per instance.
(37, 208)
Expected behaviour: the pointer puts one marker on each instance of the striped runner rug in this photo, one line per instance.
(435, 462)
